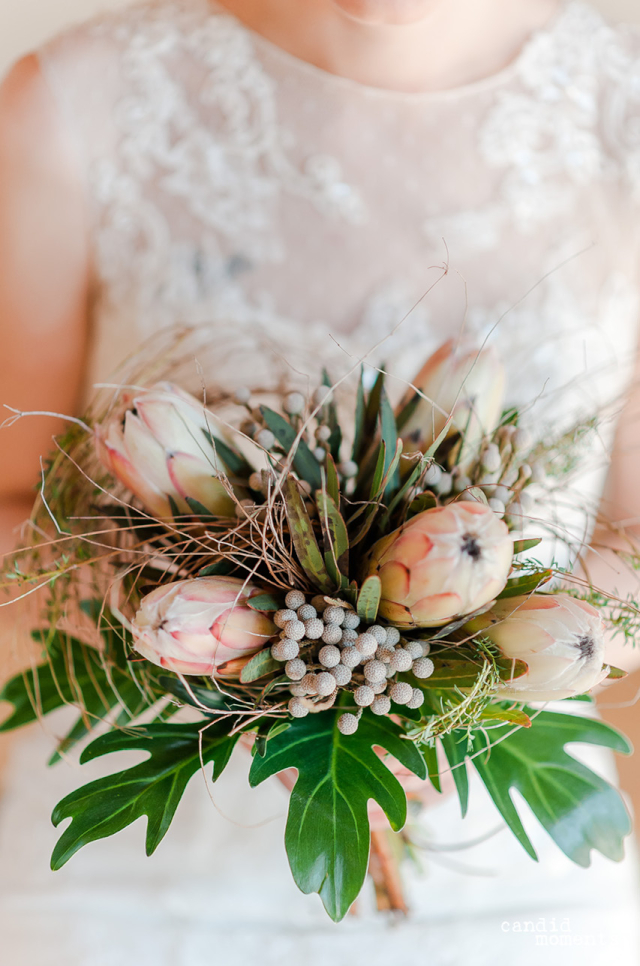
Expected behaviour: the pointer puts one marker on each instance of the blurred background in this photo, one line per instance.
(26, 23)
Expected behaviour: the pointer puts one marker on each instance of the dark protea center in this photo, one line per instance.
(587, 647)
(471, 546)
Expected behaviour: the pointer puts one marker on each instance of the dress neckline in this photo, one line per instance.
(553, 27)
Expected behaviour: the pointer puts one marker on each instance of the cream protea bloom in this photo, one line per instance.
(162, 450)
(466, 385)
(444, 563)
(560, 638)
(201, 626)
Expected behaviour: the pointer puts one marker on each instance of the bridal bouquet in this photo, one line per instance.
(341, 586)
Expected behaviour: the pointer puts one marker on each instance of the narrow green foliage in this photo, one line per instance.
(304, 539)
(304, 462)
(77, 675)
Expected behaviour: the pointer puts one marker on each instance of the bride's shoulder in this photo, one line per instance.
(154, 26)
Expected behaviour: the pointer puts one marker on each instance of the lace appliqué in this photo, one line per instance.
(219, 153)
(547, 136)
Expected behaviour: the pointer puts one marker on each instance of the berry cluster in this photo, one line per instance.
(325, 649)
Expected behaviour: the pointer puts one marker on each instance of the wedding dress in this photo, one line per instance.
(304, 218)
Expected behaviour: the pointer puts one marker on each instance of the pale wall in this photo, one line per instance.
(25, 23)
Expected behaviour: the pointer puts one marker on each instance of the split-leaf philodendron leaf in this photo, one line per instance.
(152, 788)
(328, 836)
(579, 810)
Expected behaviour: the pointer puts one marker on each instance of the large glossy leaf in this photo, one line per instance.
(455, 748)
(152, 788)
(579, 810)
(327, 836)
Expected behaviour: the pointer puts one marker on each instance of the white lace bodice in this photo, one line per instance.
(284, 209)
(234, 185)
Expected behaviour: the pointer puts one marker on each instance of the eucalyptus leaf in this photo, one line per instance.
(220, 569)
(327, 835)
(369, 598)
(260, 665)
(265, 602)
(527, 584)
(335, 532)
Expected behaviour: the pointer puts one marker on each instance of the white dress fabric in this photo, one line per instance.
(300, 218)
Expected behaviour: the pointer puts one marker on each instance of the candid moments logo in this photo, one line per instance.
(551, 932)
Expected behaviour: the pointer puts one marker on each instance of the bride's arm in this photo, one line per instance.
(44, 270)
(43, 279)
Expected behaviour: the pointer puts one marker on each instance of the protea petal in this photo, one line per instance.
(444, 563)
(124, 470)
(192, 479)
(560, 638)
(146, 454)
(201, 625)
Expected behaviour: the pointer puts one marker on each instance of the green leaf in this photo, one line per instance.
(335, 440)
(389, 434)
(264, 602)
(402, 493)
(426, 501)
(234, 461)
(327, 836)
(77, 675)
(512, 716)
(453, 668)
(199, 509)
(220, 569)
(260, 664)
(304, 462)
(195, 695)
(372, 408)
(152, 788)
(519, 546)
(333, 483)
(455, 748)
(616, 674)
(359, 421)
(369, 599)
(519, 586)
(579, 810)
(334, 529)
(433, 769)
(304, 539)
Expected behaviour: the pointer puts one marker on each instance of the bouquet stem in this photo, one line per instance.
(384, 869)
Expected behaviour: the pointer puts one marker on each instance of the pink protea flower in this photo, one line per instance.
(443, 563)
(161, 449)
(467, 386)
(560, 638)
(201, 626)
